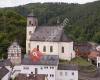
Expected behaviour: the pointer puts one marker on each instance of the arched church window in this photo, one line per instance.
(51, 49)
(44, 49)
(62, 49)
(38, 47)
(29, 22)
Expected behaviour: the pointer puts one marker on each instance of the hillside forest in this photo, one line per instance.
(83, 26)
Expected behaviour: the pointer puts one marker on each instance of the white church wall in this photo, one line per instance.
(30, 30)
(68, 53)
(57, 49)
(27, 46)
(47, 45)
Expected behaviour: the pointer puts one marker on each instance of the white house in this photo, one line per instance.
(47, 65)
(67, 72)
(14, 53)
(50, 40)
(98, 61)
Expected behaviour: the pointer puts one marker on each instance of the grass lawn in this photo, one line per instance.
(81, 61)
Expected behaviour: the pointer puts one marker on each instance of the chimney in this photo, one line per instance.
(35, 71)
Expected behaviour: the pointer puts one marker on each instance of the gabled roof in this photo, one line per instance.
(42, 33)
(83, 47)
(30, 77)
(5, 62)
(67, 67)
(44, 60)
(3, 72)
(14, 44)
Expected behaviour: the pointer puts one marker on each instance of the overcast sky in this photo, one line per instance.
(10, 3)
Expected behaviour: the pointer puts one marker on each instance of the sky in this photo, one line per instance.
(11, 3)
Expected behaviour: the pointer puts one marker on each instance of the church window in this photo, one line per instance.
(29, 22)
(44, 49)
(62, 49)
(98, 64)
(38, 47)
(51, 49)
(35, 22)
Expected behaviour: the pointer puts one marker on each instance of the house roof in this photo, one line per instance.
(67, 67)
(44, 60)
(30, 77)
(5, 62)
(83, 47)
(93, 54)
(21, 77)
(37, 77)
(43, 33)
(14, 44)
(3, 72)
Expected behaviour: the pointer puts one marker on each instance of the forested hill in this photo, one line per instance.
(84, 21)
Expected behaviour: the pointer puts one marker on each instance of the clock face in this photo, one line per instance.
(35, 54)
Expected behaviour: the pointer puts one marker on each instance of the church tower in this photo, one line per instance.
(32, 23)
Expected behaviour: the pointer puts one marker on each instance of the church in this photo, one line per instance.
(50, 40)
(52, 44)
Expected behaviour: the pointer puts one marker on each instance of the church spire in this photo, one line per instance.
(31, 14)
